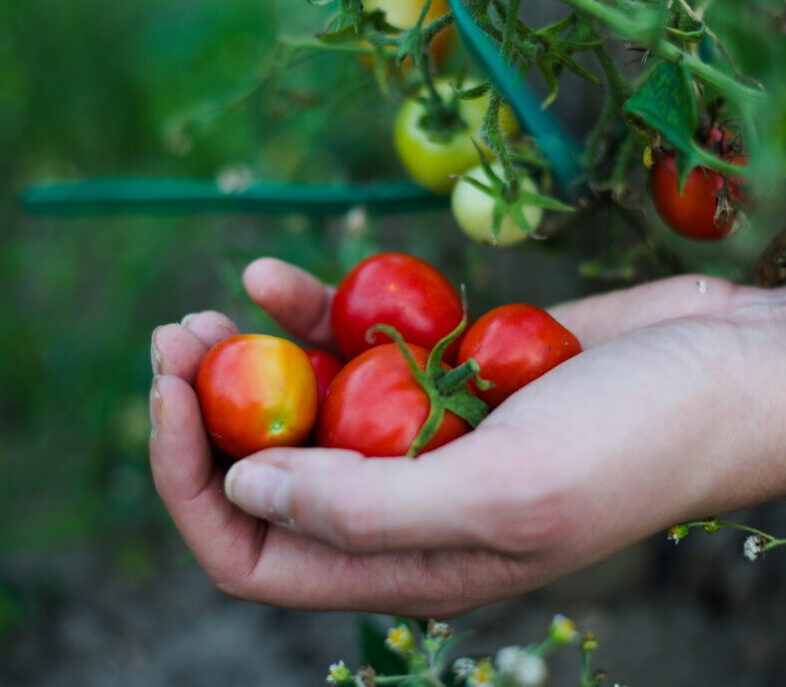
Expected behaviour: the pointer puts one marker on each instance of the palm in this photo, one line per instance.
(552, 481)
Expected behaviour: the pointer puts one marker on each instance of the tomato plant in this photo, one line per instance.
(473, 210)
(432, 151)
(375, 406)
(256, 391)
(326, 367)
(399, 290)
(513, 345)
(403, 14)
(705, 209)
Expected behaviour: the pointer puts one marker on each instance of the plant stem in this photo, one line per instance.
(491, 127)
(618, 85)
(436, 26)
(628, 28)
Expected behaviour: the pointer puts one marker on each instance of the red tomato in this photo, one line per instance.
(326, 367)
(693, 212)
(399, 290)
(256, 391)
(513, 345)
(375, 406)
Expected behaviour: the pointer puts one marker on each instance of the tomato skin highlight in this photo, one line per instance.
(513, 345)
(399, 290)
(692, 212)
(376, 407)
(256, 391)
(326, 367)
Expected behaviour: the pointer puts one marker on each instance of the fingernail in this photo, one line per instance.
(156, 405)
(184, 322)
(260, 489)
(155, 354)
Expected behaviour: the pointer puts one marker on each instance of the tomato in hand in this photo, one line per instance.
(256, 391)
(704, 210)
(513, 345)
(375, 406)
(400, 290)
(326, 367)
(434, 157)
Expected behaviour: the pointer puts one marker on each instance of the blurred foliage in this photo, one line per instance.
(143, 88)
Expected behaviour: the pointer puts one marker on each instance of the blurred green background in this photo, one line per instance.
(182, 88)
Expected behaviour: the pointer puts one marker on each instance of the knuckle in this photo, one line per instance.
(351, 525)
(527, 515)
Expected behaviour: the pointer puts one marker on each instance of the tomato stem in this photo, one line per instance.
(447, 390)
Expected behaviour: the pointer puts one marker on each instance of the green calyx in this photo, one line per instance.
(446, 389)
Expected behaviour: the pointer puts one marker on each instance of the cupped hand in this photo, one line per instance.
(673, 411)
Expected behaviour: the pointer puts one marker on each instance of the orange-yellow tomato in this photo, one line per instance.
(256, 391)
(403, 14)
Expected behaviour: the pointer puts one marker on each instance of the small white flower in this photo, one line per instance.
(463, 667)
(521, 667)
(753, 547)
(356, 220)
(506, 659)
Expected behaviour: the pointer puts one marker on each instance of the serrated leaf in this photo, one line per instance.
(666, 102)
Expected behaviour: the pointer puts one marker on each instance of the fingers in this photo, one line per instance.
(210, 326)
(176, 349)
(598, 319)
(224, 540)
(296, 300)
(368, 505)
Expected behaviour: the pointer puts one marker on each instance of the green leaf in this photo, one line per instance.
(666, 102)
(374, 652)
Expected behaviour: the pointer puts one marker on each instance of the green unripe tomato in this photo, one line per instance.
(473, 209)
(433, 160)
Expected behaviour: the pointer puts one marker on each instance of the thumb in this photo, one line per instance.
(365, 505)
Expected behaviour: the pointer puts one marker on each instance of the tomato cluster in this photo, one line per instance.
(401, 325)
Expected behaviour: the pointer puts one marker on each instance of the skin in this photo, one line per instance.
(567, 471)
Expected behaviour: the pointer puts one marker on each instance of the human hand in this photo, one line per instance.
(673, 411)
